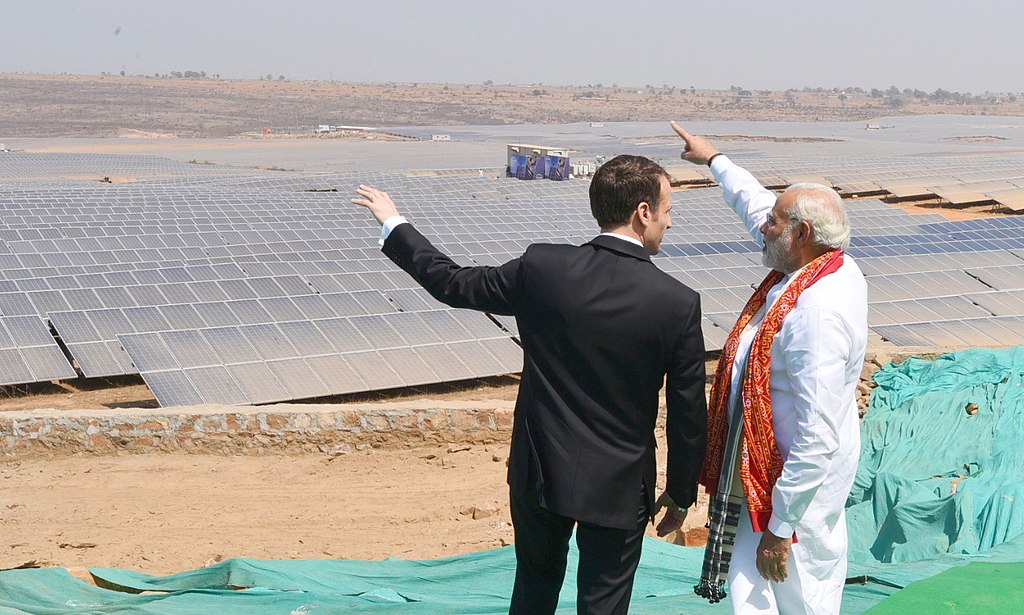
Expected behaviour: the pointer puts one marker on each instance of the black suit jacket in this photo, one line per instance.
(601, 327)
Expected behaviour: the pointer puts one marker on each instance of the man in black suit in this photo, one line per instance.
(602, 328)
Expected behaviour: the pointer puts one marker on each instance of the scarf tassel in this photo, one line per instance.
(714, 591)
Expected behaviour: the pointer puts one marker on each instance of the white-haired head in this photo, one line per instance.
(823, 209)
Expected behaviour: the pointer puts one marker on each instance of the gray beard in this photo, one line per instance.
(778, 255)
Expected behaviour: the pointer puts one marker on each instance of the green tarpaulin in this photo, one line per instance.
(933, 478)
(477, 583)
(975, 589)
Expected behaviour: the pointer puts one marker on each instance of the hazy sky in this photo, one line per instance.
(755, 44)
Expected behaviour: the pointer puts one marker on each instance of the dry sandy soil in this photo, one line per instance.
(165, 513)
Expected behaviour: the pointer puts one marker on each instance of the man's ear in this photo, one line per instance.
(806, 234)
(643, 212)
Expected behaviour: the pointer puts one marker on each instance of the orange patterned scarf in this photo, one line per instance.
(761, 461)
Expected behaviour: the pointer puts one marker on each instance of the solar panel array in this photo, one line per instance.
(221, 286)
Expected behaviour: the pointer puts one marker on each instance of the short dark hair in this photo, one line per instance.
(620, 185)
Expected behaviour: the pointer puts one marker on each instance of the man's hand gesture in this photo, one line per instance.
(674, 516)
(698, 150)
(772, 557)
(377, 201)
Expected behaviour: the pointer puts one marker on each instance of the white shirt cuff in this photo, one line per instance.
(388, 226)
(776, 526)
(718, 165)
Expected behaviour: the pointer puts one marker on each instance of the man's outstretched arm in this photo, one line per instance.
(741, 190)
(491, 289)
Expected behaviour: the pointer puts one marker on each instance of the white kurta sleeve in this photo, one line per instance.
(817, 345)
(744, 194)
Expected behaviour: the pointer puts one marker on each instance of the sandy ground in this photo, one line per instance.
(163, 513)
(167, 513)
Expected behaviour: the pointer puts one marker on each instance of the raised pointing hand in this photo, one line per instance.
(698, 150)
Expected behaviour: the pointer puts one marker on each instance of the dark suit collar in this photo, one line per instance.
(626, 248)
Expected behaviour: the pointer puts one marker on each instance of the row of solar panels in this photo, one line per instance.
(84, 330)
(276, 340)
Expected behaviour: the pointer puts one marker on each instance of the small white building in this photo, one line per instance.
(583, 169)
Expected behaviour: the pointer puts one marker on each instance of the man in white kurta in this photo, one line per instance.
(816, 361)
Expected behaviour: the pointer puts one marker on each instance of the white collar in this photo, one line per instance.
(625, 237)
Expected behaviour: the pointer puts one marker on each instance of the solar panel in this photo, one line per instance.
(16, 304)
(307, 339)
(250, 312)
(1008, 277)
(215, 384)
(409, 366)
(343, 335)
(148, 353)
(181, 316)
(269, 342)
(956, 334)
(172, 388)
(216, 314)
(508, 323)
(412, 328)
(1011, 198)
(13, 369)
(410, 299)
(476, 354)
(378, 331)
(1000, 303)
(339, 376)
(373, 302)
(298, 378)
(508, 353)
(374, 370)
(444, 362)
(313, 307)
(258, 382)
(344, 304)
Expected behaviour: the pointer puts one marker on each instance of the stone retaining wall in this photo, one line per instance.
(233, 430)
(281, 428)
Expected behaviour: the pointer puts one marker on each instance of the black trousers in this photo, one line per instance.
(608, 560)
